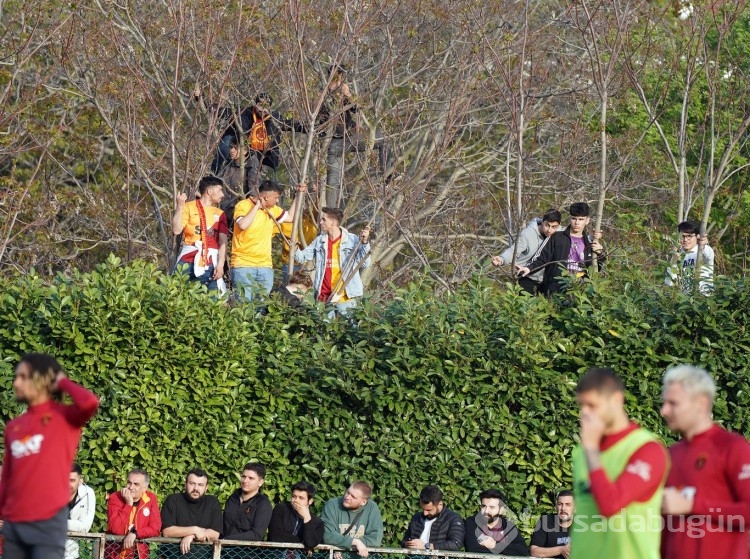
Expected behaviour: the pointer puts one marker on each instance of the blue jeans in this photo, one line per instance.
(185, 268)
(250, 281)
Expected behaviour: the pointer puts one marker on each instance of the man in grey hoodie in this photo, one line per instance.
(530, 242)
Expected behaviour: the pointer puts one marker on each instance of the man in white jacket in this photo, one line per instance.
(529, 243)
(81, 509)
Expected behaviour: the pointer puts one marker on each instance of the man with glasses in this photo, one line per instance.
(684, 276)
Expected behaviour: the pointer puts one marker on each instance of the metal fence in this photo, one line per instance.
(108, 546)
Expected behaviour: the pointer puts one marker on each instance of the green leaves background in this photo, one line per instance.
(467, 390)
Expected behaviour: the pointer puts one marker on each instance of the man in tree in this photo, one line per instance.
(192, 516)
(551, 537)
(529, 244)
(618, 474)
(707, 495)
(256, 221)
(338, 113)
(338, 256)
(40, 445)
(293, 522)
(81, 509)
(572, 250)
(353, 521)
(684, 276)
(436, 526)
(490, 532)
(133, 512)
(248, 511)
(204, 233)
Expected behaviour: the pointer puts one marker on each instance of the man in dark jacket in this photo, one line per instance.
(248, 511)
(436, 527)
(292, 521)
(490, 532)
(572, 250)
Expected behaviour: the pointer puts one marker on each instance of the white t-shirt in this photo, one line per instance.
(425, 537)
(685, 276)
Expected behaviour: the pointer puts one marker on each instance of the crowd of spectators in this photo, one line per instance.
(352, 521)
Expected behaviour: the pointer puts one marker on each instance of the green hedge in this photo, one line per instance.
(468, 390)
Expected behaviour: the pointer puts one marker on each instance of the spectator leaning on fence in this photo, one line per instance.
(353, 521)
(436, 526)
(81, 509)
(551, 537)
(490, 532)
(292, 521)
(132, 512)
(248, 511)
(191, 516)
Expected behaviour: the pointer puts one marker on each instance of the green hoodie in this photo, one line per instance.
(369, 527)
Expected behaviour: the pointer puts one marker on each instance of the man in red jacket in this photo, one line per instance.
(706, 500)
(40, 445)
(132, 512)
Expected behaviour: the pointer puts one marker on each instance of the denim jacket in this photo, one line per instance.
(318, 251)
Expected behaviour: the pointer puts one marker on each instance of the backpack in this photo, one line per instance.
(258, 139)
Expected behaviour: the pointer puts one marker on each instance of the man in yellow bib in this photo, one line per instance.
(338, 256)
(619, 471)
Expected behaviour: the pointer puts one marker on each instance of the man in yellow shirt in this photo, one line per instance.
(255, 223)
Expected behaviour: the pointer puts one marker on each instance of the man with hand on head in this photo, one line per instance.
(40, 445)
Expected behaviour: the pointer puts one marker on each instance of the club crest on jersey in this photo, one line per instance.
(26, 446)
(700, 462)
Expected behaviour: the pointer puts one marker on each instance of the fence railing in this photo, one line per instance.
(107, 546)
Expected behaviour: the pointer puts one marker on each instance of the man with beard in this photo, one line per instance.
(81, 509)
(203, 225)
(292, 521)
(436, 527)
(551, 537)
(618, 474)
(248, 511)
(489, 532)
(40, 445)
(707, 495)
(353, 521)
(192, 516)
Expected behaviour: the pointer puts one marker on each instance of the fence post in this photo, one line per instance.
(217, 549)
(101, 542)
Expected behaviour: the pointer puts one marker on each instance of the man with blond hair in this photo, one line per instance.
(353, 521)
(707, 495)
